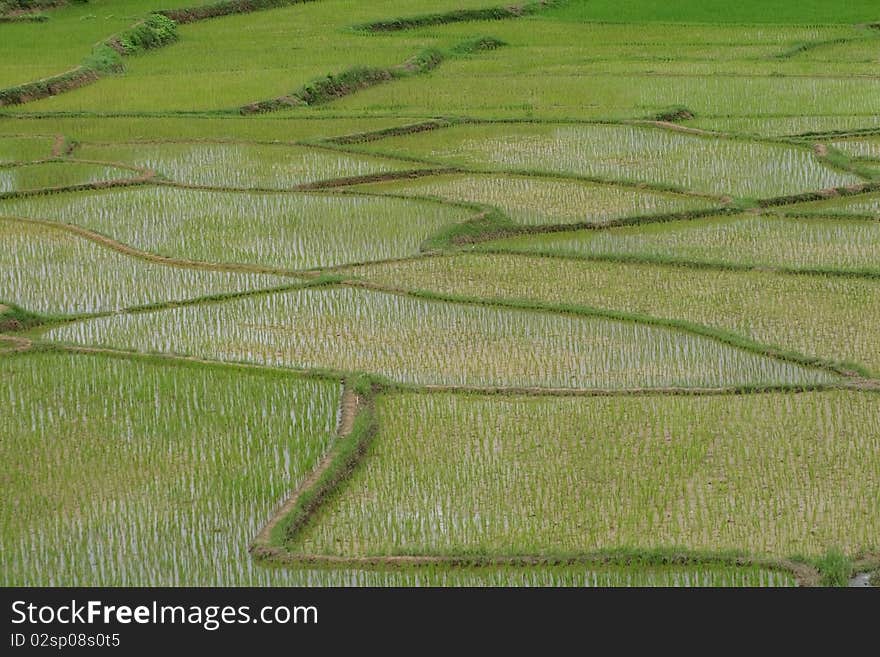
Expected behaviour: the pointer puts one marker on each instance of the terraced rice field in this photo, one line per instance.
(50, 271)
(531, 476)
(815, 243)
(535, 201)
(828, 317)
(260, 166)
(410, 293)
(284, 231)
(424, 342)
(625, 153)
(33, 177)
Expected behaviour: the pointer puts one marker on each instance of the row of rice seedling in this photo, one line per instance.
(780, 126)
(425, 342)
(828, 317)
(536, 201)
(268, 128)
(47, 270)
(118, 472)
(766, 241)
(255, 166)
(291, 231)
(25, 149)
(31, 177)
(555, 576)
(868, 148)
(771, 474)
(715, 166)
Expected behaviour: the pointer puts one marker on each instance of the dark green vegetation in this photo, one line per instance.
(409, 292)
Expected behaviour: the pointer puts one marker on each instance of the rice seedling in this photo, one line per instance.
(535, 201)
(25, 149)
(868, 148)
(268, 128)
(761, 241)
(49, 271)
(781, 126)
(424, 342)
(256, 166)
(555, 576)
(860, 205)
(31, 177)
(828, 317)
(291, 231)
(773, 474)
(614, 152)
(118, 472)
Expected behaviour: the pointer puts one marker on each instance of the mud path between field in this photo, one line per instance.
(11, 343)
(349, 406)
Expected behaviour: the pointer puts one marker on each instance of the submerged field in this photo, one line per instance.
(440, 294)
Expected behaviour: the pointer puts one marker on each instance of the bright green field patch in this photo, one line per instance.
(773, 474)
(830, 317)
(713, 166)
(49, 271)
(36, 50)
(797, 243)
(119, 472)
(291, 231)
(868, 148)
(266, 128)
(234, 60)
(25, 149)
(781, 126)
(243, 166)
(536, 201)
(30, 177)
(719, 11)
(425, 342)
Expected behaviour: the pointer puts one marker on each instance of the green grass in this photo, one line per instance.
(719, 11)
(49, 271)
(745, 240)
(121, 472)
(536, 201)
(256, 166)
(769, 474)
(828, 317)
(424, 342)
(58, 174)
(288, 231)
(624, 153)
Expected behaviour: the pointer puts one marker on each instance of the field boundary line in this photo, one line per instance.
(349, 405)
(804, 574)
